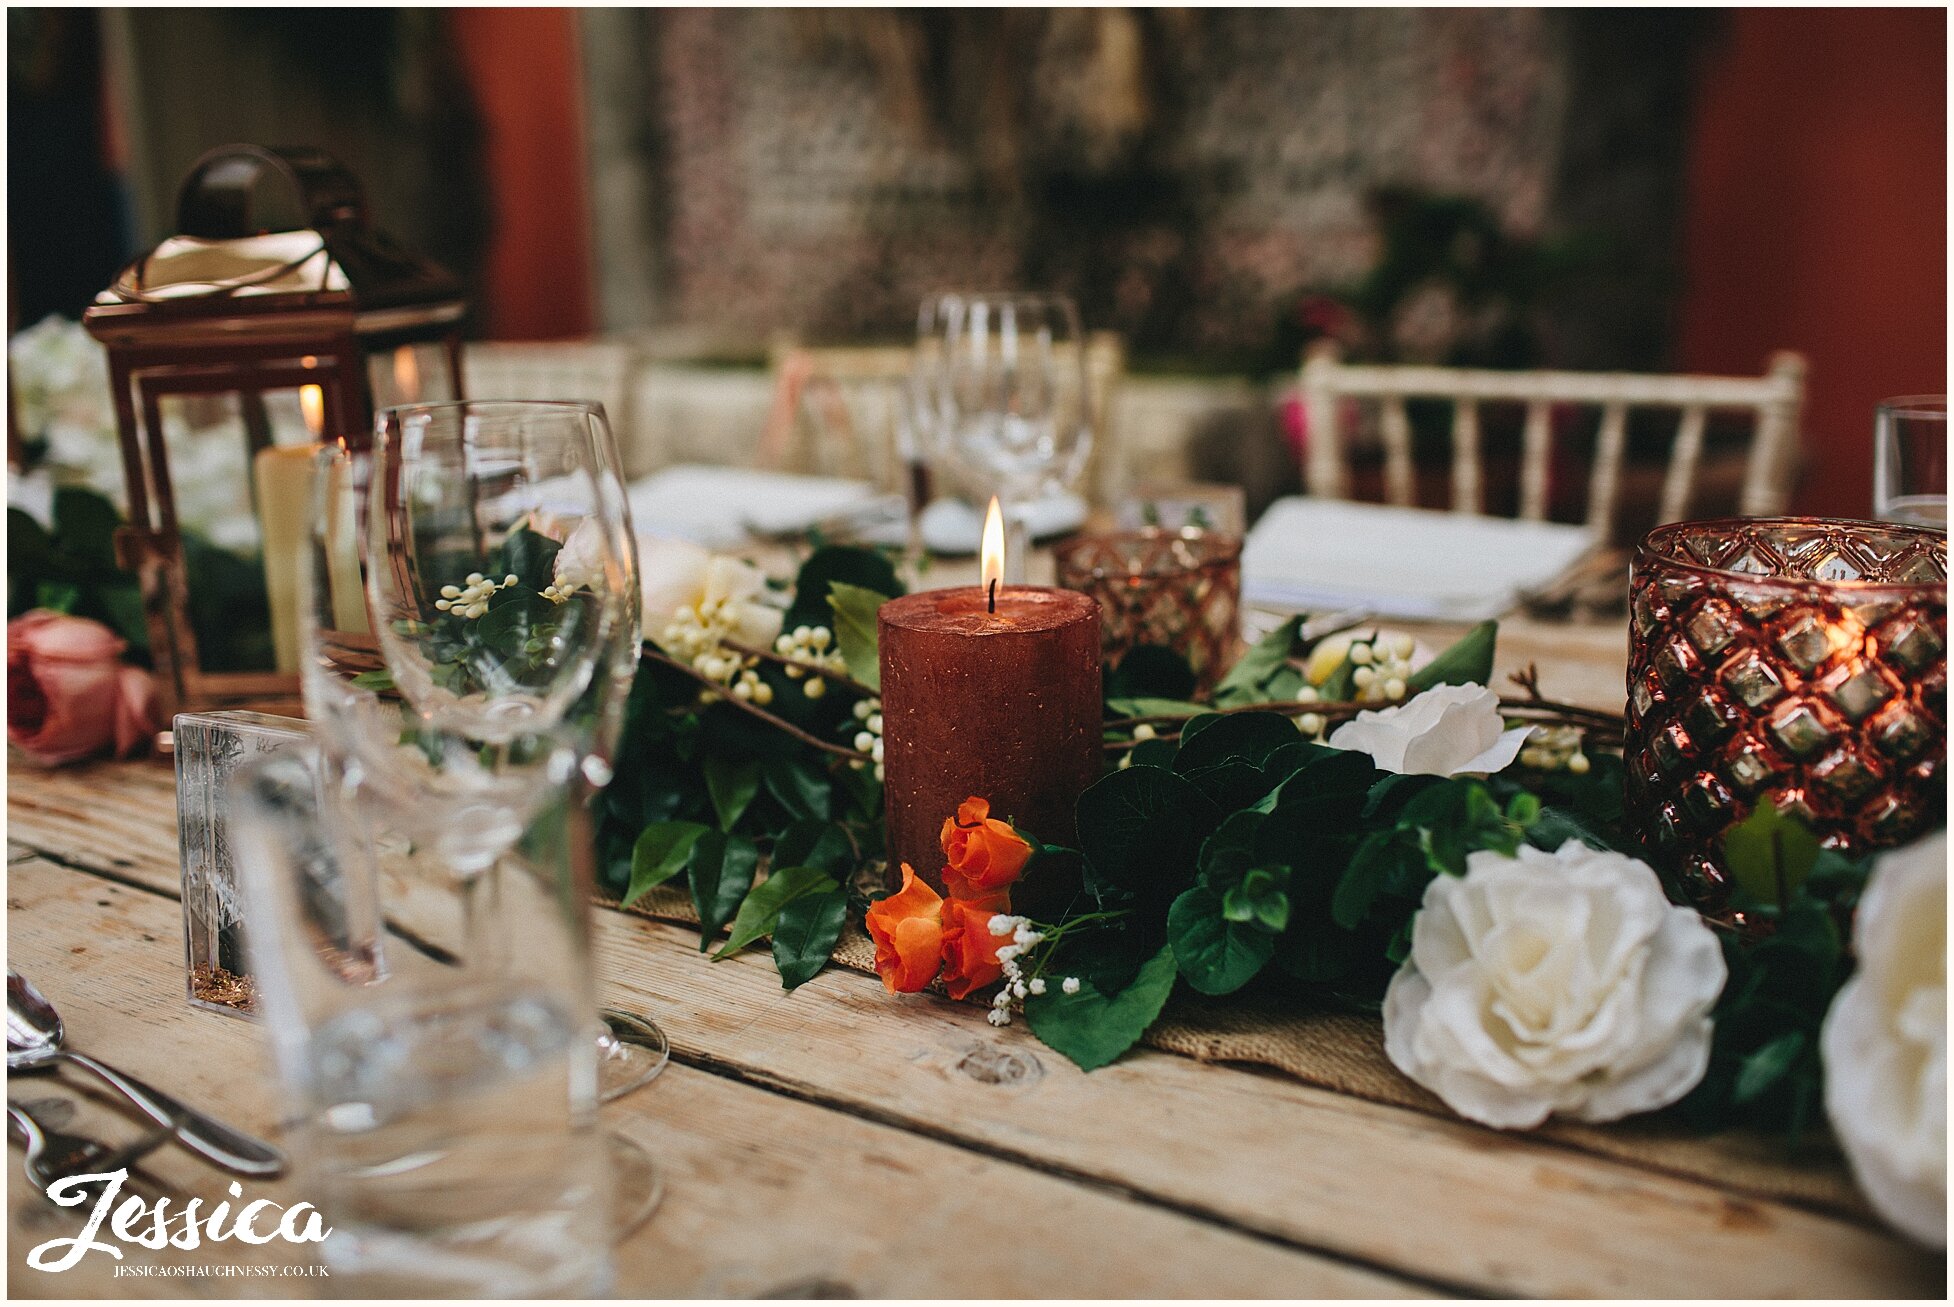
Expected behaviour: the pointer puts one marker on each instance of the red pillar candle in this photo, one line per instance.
(1000, 704)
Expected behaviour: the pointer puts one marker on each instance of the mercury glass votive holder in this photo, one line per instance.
(1800, 662)
(1178, 589)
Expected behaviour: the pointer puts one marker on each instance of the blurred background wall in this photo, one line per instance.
(1634, 189)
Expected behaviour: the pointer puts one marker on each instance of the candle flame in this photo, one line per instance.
(993, 551)
(312, 402)
(407, 374)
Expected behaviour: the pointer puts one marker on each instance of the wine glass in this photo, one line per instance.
(462, 686)
(1910, 461)
(1003, 386)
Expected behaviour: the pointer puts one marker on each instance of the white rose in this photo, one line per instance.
(678, 574)
(1554, 982)
(1885, 1042)
(1446, 731)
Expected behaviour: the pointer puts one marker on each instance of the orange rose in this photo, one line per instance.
(969, 947)
(985, 854)
(907, 928)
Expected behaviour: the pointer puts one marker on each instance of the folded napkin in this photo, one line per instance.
(1401, 562)
(721, 506)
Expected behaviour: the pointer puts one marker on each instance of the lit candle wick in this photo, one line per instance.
(993, 594)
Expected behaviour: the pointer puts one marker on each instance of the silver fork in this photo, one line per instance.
(55, 1155)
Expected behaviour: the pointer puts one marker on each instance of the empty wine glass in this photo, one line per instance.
(1910, 461)
(1002, 382)
(501, 574)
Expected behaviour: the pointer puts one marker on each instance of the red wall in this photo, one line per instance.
(1817, 221)
(523, 65)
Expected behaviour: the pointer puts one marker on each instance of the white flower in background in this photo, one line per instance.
(1885, 1042)
(696, 603)
(1446, 731)
(1554, 982)
(580, 563)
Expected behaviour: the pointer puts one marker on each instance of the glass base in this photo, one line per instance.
(637, 1186)
(630, 1053)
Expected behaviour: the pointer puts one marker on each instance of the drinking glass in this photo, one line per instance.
(1910, 461)
(501, 572)
(430, 1028)
(1003, 386)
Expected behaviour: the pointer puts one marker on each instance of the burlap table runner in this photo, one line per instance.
(1344, 1052)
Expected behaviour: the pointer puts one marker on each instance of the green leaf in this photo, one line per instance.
(1468, 662)
(531, 555)
(818, 844)
(377, 679)
(1341, 684)
(1217, 955)
(1770, 854)
(731, 786)
(804, 937)
(1092, 1028)
(721, 868)
(1260, 897)
(1145, 706)
(660, 854)
(1141, 828)
(761, 908)
(801, 787)
(57, 596)
(1385, 861)
(513, 617)
(855, 629)
(1253, 737)
(831, 563)
(1247, 680)
(1767, 1066)
(1149, 671)
(122, 606)
(84, 527)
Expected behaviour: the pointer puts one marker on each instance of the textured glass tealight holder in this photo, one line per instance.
(1177, 589)
(209, 747)
(1800, 662)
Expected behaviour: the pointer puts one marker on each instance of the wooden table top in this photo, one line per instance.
(838, 1142)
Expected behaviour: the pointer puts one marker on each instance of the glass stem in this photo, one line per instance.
(1017, 545)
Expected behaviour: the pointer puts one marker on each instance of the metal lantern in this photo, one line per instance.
(234, 351)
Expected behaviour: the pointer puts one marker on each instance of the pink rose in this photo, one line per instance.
(69, 696)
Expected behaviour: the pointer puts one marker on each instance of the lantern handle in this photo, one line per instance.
(215, 202)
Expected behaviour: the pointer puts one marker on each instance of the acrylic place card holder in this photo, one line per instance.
(210, 746)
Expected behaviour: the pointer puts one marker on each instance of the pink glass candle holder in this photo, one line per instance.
(1800, 662)
(1180, 590)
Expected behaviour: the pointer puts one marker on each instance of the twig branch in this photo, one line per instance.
(1602, 727)
(842, 679)
(658, 655)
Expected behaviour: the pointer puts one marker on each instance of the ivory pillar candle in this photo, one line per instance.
(1002, 704)
(282, 483)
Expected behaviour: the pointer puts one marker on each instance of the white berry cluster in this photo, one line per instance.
(1024, 938)
(1141, 734)
(1380, 669)
(1556, 748)
(697, 635)
(557, 592)
(810, 644)
(868, 714)
(471, 600)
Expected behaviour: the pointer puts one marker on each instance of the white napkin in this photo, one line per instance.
(951, 526)
(721, 506)
(1401, 562)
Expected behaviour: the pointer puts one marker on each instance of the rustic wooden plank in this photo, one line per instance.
(1379, 1184)
(766, 1194)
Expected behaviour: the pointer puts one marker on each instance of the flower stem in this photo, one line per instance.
(658, 655)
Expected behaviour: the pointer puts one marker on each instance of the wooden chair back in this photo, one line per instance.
(1330, 385)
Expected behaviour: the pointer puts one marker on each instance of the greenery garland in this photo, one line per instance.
(1225, 851)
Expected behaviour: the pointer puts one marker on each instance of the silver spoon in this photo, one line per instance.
(34, 1035)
